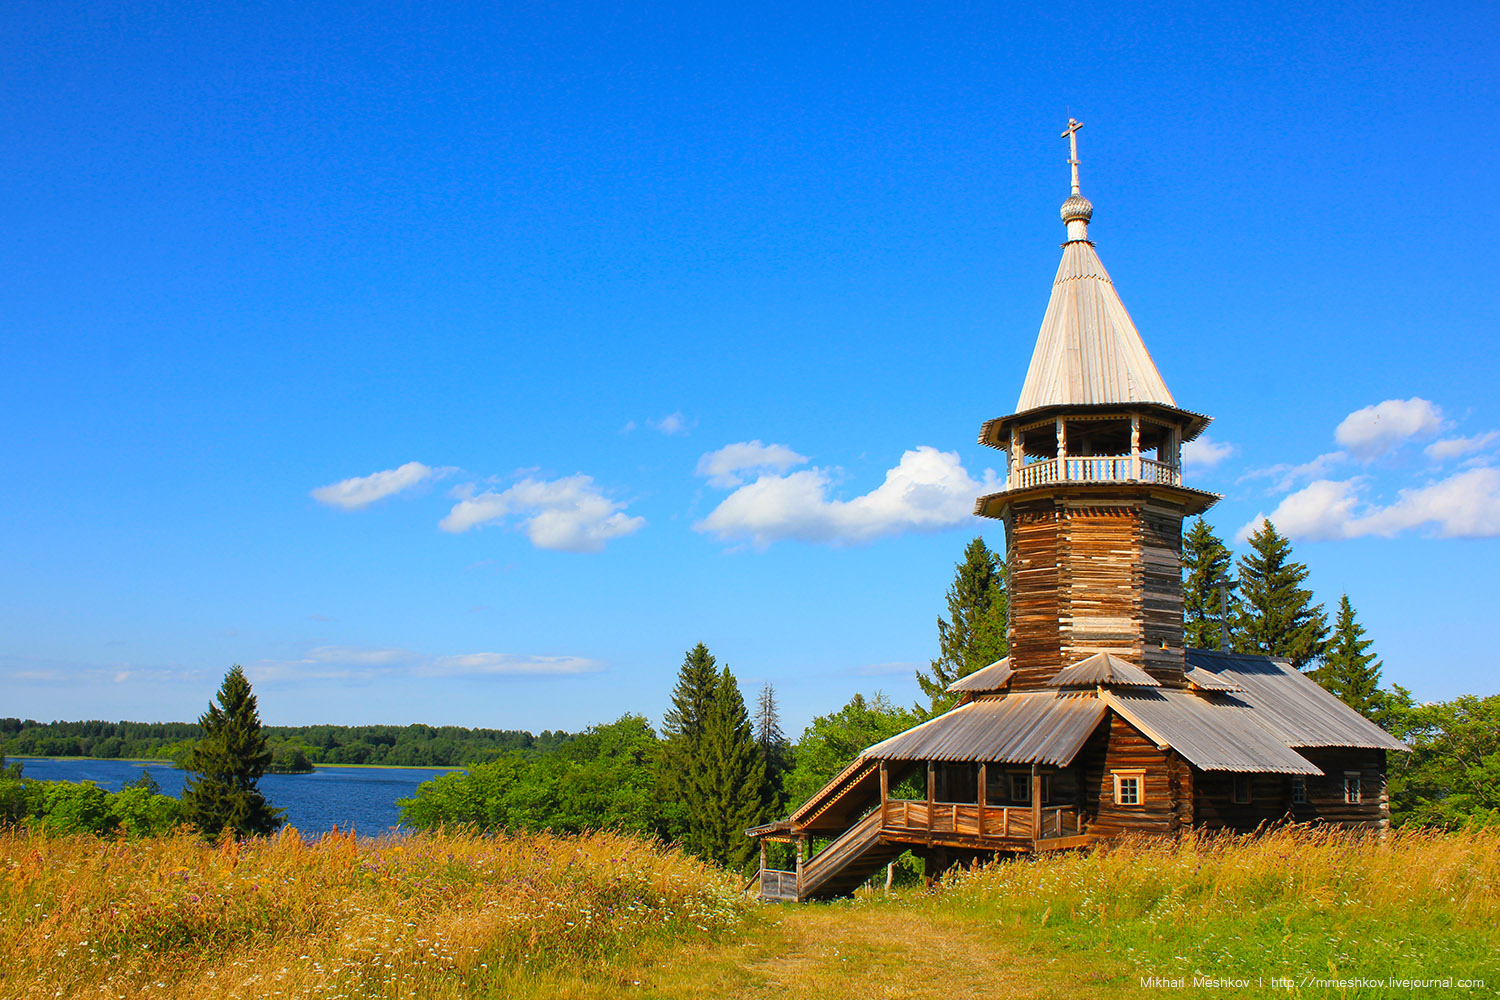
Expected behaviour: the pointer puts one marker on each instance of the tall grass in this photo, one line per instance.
(1298, 902)
(433, 915)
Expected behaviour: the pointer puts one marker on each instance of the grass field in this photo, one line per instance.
(452, 915)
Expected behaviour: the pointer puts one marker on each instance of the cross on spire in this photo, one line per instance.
(1071, 134)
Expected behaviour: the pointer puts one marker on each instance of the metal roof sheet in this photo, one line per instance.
(1210, 681)
(1088, 350)
(1214, 733)
(1292, 705)
(1042, 727)
(1103, 668)
(990, 678)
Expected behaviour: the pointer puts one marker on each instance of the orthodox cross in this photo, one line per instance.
(1071, 134)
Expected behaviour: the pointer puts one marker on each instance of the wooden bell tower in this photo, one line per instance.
(1093, 500)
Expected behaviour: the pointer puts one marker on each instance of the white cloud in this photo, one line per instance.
(568, 514)
(476, 664)
(672, 423)
(1284, 477)
(723, 467)
(1448, 448)
(355, 663)
(928, 491)
(361, 491)
(1205, 453)
(1374, 430)
(1464, 505)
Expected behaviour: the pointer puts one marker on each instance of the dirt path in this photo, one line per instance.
(838, 952)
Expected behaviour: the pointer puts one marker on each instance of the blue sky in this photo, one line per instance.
(534, 268)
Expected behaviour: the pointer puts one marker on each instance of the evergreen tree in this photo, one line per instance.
(692, 696)
(682, 731)
(226, 763)
(1205, 561)
(1277, 617)
(775, 749)
(1348, 670)
(973, 636)
(727, 786)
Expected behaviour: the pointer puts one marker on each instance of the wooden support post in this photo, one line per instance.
(801, 857)
(1036, 804)
(1135, 446)
(885, 791)
(981, 797)
(1062, 450)
(1175, 455)
(931, 792)
(1016, 459)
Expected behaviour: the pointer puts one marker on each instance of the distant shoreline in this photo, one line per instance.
(168, 762)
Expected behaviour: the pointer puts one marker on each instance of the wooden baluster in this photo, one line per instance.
(982, 797)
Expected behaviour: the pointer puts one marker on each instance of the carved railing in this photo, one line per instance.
(970, 820)
(1094, 469)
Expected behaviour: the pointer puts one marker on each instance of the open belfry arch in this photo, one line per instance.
(1100, 721)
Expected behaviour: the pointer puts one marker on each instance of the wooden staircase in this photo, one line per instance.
(845, 864)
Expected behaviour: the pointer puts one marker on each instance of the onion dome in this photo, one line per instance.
(1077, 209)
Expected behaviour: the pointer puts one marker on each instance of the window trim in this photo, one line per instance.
(1024, 780)
(1353, 788)
(1299, 790)
(1138, 776)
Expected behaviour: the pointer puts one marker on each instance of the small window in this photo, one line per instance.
(1020, 788)
(1351, 787)
(1299, 791)
(1242, 789)
(1128, 788)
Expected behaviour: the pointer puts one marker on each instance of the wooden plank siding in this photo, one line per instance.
(1120, 746)
(1101, 572)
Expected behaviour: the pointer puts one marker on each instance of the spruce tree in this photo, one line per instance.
(726, 790)
(226, 763)
(1205, 561)
(1277, 616)
(682, 733)
(775, 749)
(973, 635)
(1348, 670)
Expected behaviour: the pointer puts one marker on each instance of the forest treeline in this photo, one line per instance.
(293, 746)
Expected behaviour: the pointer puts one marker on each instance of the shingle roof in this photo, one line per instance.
(1292, 705)
(1088, 350)
(1041, 727)
(1103, 668)
(990, 678)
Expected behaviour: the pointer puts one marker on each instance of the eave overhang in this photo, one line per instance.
(996, 433)
(1190, 500)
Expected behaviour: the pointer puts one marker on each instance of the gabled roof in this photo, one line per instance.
(1041, 727)
(1206, 681)
(1292, 705)
(1088, 351)
(1103, 668)
(990, 678)
(1215, 733)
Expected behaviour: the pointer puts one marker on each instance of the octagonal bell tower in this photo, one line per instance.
(1093, 500)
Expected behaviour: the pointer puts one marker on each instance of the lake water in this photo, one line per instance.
(358, 798)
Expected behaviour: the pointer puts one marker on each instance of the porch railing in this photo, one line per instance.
(1094, 469)
(970, 820)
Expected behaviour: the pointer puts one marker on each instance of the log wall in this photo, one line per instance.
(1117, 745)
(1095, 570)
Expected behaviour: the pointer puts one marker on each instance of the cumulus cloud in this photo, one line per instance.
(927, 491)
(1464, 505)
(724, 467)
(567, 515)
(672, 423)
(1450, 448)
(361, 491)
(1205, 453)
(1374, 430)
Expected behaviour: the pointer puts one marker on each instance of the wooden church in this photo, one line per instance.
(1100, 721)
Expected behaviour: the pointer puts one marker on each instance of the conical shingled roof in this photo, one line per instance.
(1088, 351)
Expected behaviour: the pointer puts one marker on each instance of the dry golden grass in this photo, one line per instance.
(434, 915)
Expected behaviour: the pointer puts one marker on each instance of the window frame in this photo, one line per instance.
(1298, 793)
(1022, 780)
(1353, 788)
(1135, 775)
(1240, 793)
